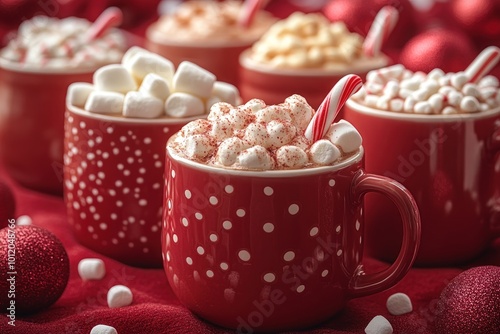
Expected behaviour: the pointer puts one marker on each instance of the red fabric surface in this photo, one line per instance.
(155, 309)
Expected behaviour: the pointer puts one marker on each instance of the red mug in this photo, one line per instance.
(274, 250)
(448, 163)
(113, 183)
(31, 123)
(274, 85)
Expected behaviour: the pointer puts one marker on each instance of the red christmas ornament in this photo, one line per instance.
(34, 269)
(358, 16)
(480, 19)
(437, 15)
(441, 48)
(7, 204)
(470, 303)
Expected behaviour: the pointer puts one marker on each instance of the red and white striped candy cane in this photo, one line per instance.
(331, 105)
(109, 18)
(250, 8)
(483, 63)
(382, 26)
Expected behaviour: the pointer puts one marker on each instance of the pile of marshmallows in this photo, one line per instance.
(146, 85)
(255, 136)
(307, 40)
(397, 89)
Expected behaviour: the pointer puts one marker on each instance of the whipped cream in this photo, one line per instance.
(62, 43)
(397, 89)
(256, 136)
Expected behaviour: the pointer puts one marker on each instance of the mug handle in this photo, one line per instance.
(494, 148)
(363, 284)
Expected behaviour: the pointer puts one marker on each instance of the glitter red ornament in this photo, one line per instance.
(7, 204)
(470, 303)
(480, 19)
(449, 50)
(34, 269)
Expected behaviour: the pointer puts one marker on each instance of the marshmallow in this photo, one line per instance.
(156, 86)
(141, 64)
(256, 134)
(488, 81)
(103, 329)
(219, 110)
(226, 92)
(398, 304)
(256, 157)
(119, 296)
(229, 149)
(140, 105)
(396, 105)
(409, 104)
(191, 78)
(114, 78)
(211, 101)
(458, 80)
(454, 98)
(270, 113)
(183, 105)
(221, 129)
(449, 111)
(130, 53)
(198, 146)
(379, 325)
(391, 89)
(289, 156)
(78, 92)
(105, 102)
(91, 269)
(423, 107)
(198, 126)
(323, 152)
(383, 102)
(436, 103)
(436, 74)
(430, 86)
(470, 90)
(301, 112)
(344, 135)
(255, 105)
(24, 220)
(469, 104)
(280, 133)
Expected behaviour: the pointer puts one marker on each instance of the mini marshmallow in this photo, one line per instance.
(141, 64)
(396, 105)
(211, 101)
(454, 98)
(105, 102)
(156, 86)
(436, 103)
(470, 90)
(409, 104)
(488, 81)
(344, 135)
(398, 304)
(256, 134)
(198, 146)
(119, 296)
(421, 94)
(371, 100)
(391, 89)
(458, 80)
(91, 269)
(449, 111)
(198, 126)
(379, 325)
(103, 329)
(256, 157)
(430, 86)
(423, 107)
(404, 93)
(78, 92)
(180, 105)
(255, 105)
(488, 92)
(383, 102)
(114, 78)
(411, 84)
(373, 88)
(469, 104)
(436, 74)
(226, 92)
(131, 52)
(137, 104)
(270, 113)
(24, 220)
(290, 156)
(323, 152)
(229, 149)
(191, 78)
(219, 110)
(280, 133)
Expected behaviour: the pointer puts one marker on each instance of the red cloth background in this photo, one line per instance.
(155, 309)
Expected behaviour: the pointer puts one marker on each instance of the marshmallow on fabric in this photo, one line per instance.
(193, 79)
(91, 269)
(156, 86)
(226, 92)
(323, 152)
(114, 78)
(103, 329)
(379, 325)
(78, 92)
(141, 64)
(345, 135)
(105, 102)
(141, 105)
(183, 105)
(398, 304)
(118, 296)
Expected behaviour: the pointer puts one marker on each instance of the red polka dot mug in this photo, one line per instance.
(274, 250)
(113, 183)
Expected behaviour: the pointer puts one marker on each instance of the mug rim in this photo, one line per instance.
(363, 66)
(113, 119)
(412, 117)
(282, 173)
(17, 67)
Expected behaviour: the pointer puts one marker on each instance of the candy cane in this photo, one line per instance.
(382, 26)
(108, 19)
(251, 8)
(331, 105)
(483, 63)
